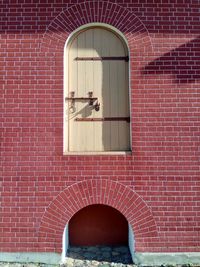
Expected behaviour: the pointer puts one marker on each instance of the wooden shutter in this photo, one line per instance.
(98, 63)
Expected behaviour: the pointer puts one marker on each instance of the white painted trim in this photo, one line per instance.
(87, 153)
(65, 91)
(157, 259)
(131, 241)
(65, 243)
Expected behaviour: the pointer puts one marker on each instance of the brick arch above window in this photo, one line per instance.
(89, 192)
(95, 12)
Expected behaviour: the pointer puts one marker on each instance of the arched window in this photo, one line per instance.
(97, 112)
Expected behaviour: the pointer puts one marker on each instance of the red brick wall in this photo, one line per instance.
(40, 187)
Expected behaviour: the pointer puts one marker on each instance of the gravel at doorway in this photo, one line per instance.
(98, 254)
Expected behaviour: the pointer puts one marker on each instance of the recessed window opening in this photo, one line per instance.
(97, 112)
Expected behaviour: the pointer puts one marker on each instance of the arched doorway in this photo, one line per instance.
(142, 227)
(98, 232)
(98, 225)
(97, 112)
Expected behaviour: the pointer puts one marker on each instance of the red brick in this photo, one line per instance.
(157, 186)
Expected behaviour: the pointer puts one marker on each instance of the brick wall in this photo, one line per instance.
(40, 187)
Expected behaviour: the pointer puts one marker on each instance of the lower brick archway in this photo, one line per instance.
(89, 192)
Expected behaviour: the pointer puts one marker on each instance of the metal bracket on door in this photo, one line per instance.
(127, 119)
(91, 100)
(123, 58)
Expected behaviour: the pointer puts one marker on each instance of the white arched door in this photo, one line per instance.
(98, 93)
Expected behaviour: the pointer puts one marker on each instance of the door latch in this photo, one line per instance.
(92, 101)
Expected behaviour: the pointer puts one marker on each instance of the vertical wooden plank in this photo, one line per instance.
(128, 125)
(124, 103)
(72, 85)
(106, 129)
(114, 93)
(79, 142)
(88, 130)
(123, 107)
(98, 83)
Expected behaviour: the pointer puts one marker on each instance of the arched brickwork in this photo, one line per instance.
(88, 192)
(53, 43)
(90, 12)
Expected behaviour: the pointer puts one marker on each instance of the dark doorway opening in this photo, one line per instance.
(99, 232)
(98, 225)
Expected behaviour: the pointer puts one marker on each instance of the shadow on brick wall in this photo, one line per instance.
(183, 63)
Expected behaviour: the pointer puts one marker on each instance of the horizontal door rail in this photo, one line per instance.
(127, 119)
(81, 98)
(101, 58)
